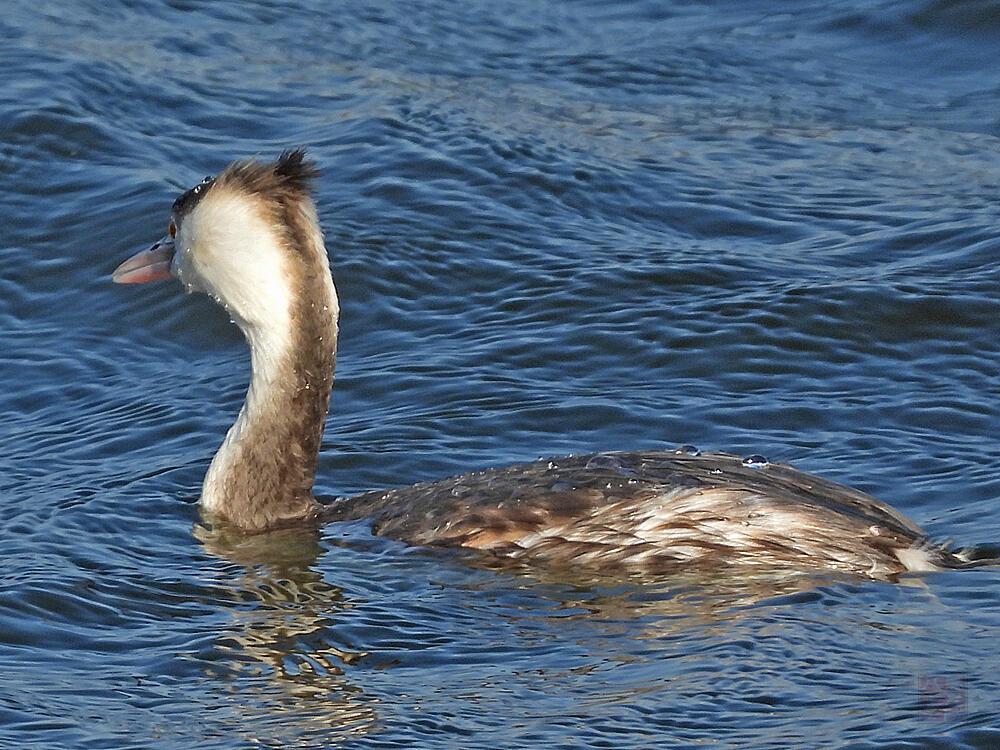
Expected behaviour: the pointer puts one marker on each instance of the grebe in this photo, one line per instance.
(250, 238)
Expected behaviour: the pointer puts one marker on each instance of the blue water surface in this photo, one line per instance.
(555, 227)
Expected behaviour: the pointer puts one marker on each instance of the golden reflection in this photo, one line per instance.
(715, 592)
(285, 654)
(279, 639)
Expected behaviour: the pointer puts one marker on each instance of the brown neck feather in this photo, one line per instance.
(270, 477)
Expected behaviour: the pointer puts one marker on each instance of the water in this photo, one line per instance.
(555, 228)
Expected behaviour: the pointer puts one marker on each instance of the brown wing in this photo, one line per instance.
(646, 508)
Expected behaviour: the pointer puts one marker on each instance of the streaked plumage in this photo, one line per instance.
(654, 511)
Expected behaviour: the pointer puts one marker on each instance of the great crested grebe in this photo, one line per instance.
(251, 239)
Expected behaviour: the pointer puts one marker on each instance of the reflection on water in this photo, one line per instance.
(294, 635)
(278, 632)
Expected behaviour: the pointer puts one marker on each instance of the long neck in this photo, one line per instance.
(262, 476)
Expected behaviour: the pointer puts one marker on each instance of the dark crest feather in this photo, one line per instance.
(291, 175)
(294, 167)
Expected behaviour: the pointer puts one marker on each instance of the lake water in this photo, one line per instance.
(555, 227)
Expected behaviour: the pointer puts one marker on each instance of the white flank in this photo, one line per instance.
(916, 560)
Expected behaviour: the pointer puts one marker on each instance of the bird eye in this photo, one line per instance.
(172, 229)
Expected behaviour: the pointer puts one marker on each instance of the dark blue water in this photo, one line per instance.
(555, 227)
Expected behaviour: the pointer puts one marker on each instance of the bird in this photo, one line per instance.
(250, 238)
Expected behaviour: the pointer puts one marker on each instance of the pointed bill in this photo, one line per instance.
(148, 265)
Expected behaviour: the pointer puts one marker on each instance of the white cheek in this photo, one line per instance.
(226, 249)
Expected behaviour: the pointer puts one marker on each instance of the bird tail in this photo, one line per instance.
(977, 556)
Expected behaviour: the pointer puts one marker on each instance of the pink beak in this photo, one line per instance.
(148, 265)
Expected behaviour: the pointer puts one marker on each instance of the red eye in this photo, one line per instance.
(172, 229)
